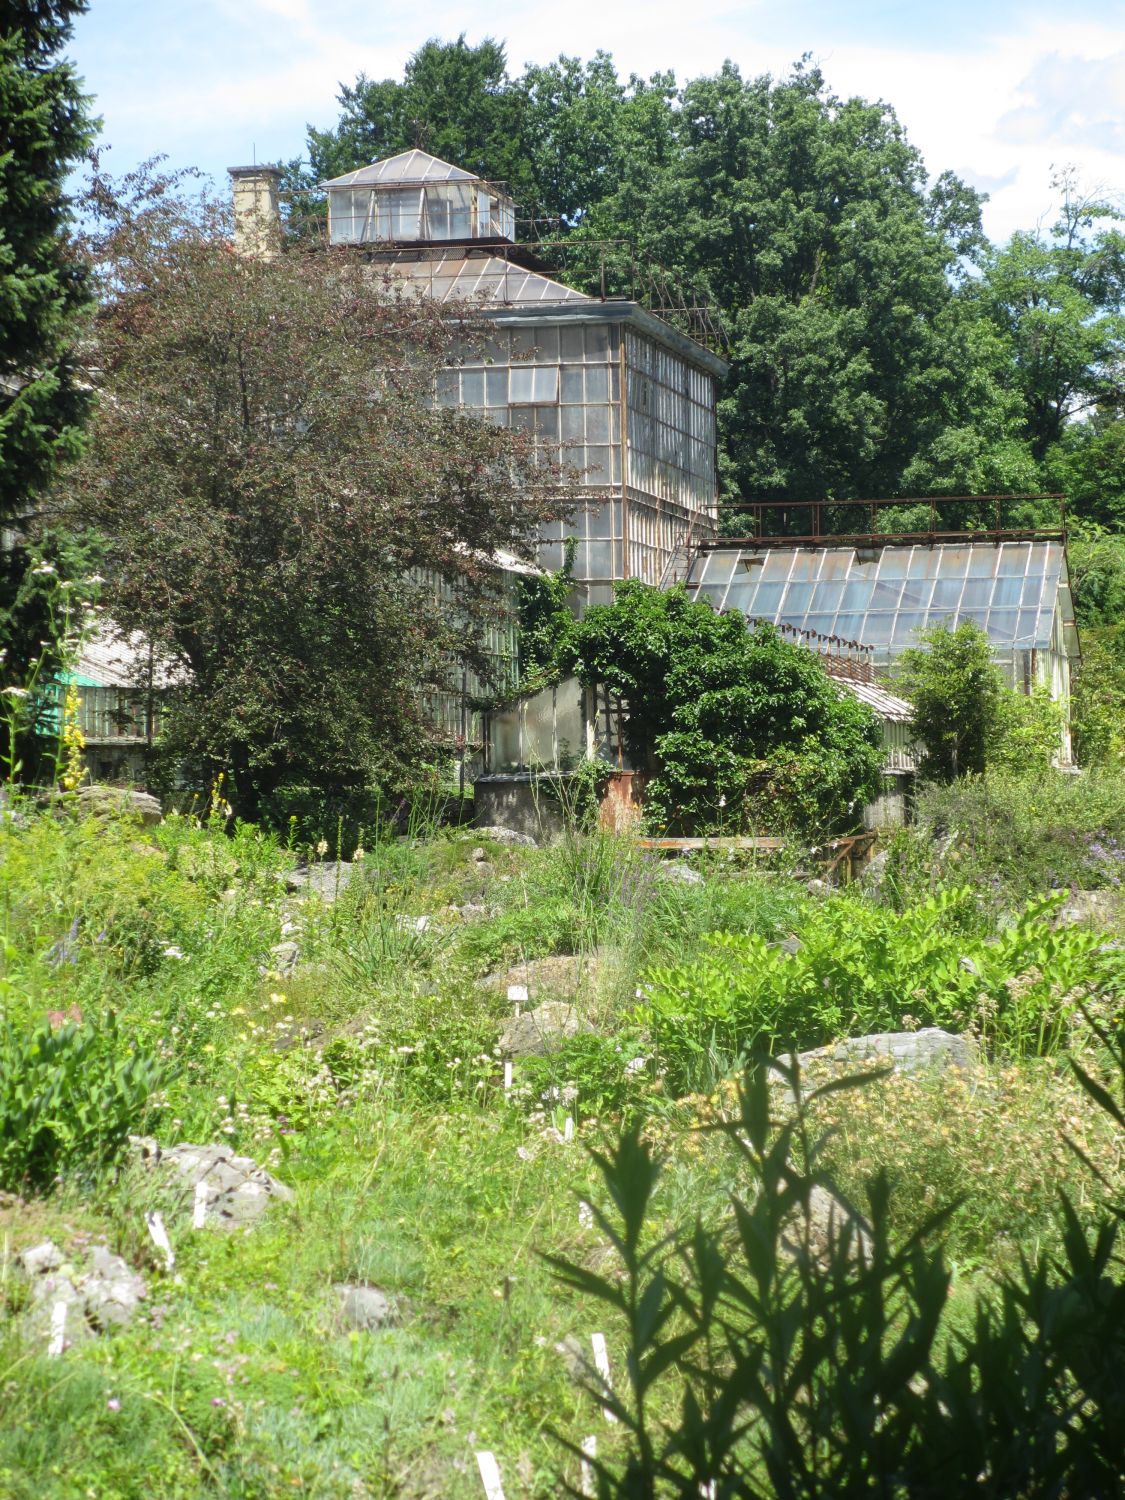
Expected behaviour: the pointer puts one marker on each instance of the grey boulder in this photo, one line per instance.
(365, 1308)
(238, 1191)
(539, 1032)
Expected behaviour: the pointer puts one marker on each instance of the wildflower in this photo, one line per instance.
(17, 692)
(113, 1404)
(322, 847)
(359, 853)
(173, 952)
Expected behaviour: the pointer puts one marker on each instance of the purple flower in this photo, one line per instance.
(113, 1404)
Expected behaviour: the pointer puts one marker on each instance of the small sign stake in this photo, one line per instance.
(58, 1330)
(199, 1211)
(601, 1364)
(155, 1224)
(589, 1451)
(490, 1475)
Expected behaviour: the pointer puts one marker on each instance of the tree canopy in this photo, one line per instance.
(879, 345)
(44, 130)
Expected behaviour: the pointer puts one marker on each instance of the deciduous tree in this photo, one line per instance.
(283, 502)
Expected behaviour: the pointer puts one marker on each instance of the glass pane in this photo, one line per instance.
(572, 345)
(1032, 591)
(496, 388)
(598, 461)
(947, 593)
(765, 600)
(472, 388)
(545, 384)
(573, 422)
(597, 343)
(1007, 591)
(520, 388)
(572, 390)
(597, 423)
(597, 383)
(978, 592)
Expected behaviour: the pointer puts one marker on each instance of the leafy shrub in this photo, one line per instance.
(738, 727)
(806, 1355)
(860, 969)
(1012, 837)
(69, 1099)
(605, 1074)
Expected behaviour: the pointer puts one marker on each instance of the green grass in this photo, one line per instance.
(369, 1081)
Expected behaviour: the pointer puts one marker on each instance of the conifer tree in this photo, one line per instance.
(44, 129)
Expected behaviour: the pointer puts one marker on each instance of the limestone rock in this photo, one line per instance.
(557, 977)
(122, 801)
(539, 1032)
(326, 881)
(1098, 908)
(680, 871)
(39, 1259)
(111, 1290)
(905, 1051)
(284, 957)
(830, 1216)
(238, 1190)
(365, 1308)
(508, 837)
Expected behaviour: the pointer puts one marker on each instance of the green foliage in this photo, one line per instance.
(1012, 836)
(860, 969)
(1097, 572)
(44, 130)
(546, 623)
(809, 1351)
(955, 691)
(1058, 299)
(1027, 733)
(1098, 700)
(70, 1095)
(736, 727)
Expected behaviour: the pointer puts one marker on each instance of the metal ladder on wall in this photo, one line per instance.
(679, 565)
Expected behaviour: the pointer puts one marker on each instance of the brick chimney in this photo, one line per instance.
(257, 217)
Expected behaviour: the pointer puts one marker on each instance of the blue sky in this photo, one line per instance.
(999, 91)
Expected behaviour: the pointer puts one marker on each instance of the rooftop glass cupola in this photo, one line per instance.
(416, 199)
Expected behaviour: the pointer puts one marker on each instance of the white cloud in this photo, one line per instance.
(207, 82)
(1077, 101)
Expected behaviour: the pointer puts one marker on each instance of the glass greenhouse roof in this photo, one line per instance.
(880, 597)
(488, 278)
(406, 167)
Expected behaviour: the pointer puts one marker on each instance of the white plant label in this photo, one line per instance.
(589, 1451)
(199, 1211)
(58, 1330)
(601, 1364)
(160, 1239)
(490, 1475)
(568, 1128)
(517, 994)
(508, 1076)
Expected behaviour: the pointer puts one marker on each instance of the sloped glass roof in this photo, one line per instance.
(489, 278)
(881, 597)
(406, 167)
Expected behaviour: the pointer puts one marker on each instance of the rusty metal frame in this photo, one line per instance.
(819, 536)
